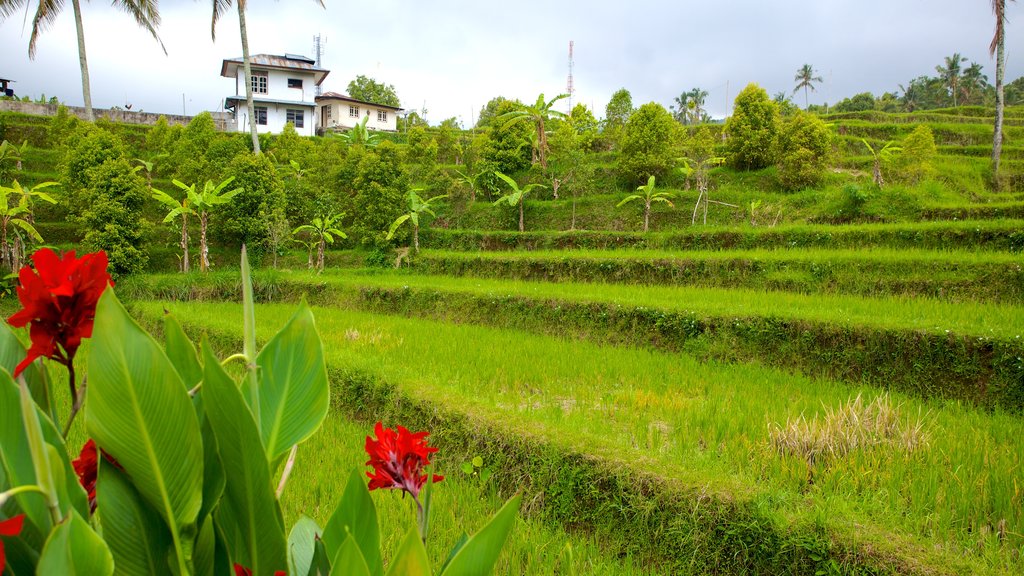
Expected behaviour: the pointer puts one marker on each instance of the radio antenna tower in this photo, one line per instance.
(569, 88)
(318, 50)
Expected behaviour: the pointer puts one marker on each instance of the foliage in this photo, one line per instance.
(752, 129)
(113, 215)
(914, 163)
(616, 113)
(508, 145)
(61, 126)
(18, 215)
(648, 196)
(359, 135)
(538, 114)
(188, 155)
(369, 90)
(417, 206)
(93, 147)
(806, 79)
(495, 107)
(516, 196)
(377, 188)
(322, 231)
(648, 144)
(261, 193)
(804, 150)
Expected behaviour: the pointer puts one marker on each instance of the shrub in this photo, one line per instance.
(804, 150)
(379, 187)
(262, 193)
(508, 145)
(752, 129)
(914, 163)
(113, 219)
(647, 144)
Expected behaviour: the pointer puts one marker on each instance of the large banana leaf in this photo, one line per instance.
(138, 538)
(248, 512)
(139, 411)
(293, 388)
(73, 548)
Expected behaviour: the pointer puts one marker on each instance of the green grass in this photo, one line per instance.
(701, 425)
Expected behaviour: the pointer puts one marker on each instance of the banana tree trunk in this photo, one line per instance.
(184, 243)
(17, 253)
(204, 250)
(522, 228)
(997, 138)
(86, 93)
(647, 215)
(416, 238)
(878, 173)
(248, 76)
(5, 253)
(320, 254)
(542, 144)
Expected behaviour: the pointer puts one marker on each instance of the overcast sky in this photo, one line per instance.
(452, 56)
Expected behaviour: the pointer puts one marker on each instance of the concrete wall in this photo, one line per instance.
(341, 118)
(277, 89)
(222, 120)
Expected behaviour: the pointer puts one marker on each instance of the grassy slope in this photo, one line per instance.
(702, 425)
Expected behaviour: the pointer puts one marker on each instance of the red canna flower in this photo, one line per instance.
(86, 468)
(59, 301)
(243, 571)
(398, 458)
(9, 527)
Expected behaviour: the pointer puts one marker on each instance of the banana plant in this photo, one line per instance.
(19, 216)
(471, 181)
(417, 206)
(196, 204)
(516, 195)
(322, 231)
(648, 196)
(883, 154)
(149, 166)
(12, 153)
(360, 134)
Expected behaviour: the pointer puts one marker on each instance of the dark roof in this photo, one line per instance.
(346, 98)
(286, 62)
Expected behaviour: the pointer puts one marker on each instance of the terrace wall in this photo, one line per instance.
(220, 119)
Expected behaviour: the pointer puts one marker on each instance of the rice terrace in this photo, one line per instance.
(766, 326)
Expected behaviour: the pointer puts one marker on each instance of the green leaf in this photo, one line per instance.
(138, 539)
(12, 352)
(455, 550)
(182, 353)
(627, 200)
(411, 558)
(302, 545)
(294, 391)
(350, 561)
(467, 467)
(251, 388)
(478, 461)
(205, 556)
(481, 551)
(321, 565)
(73, 548)
(394, 225)
(248, 512)
(140, 413)
(355, 515)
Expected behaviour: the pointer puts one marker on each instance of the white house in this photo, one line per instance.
(283, 90)
(338, 112)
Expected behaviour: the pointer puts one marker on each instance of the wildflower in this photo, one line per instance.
(398, 458)
(85, 467)
(59, 301)
(9, 527)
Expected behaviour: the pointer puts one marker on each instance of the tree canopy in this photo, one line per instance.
(369, 90)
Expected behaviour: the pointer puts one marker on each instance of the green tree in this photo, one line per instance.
(752, 129)
(569, 167)
(541, 112)
(417, 206)
(883, 154)
(695, 106)
(647, 144)
(516, 196)
(377, 186)
(113, 218)
(369, 90)
(806, 79)
(858, 103)
(198, 204)
(973, 84)
(998, 49)
(914, 163)
(507, 146)
(219, 7)
(495, 107)
(648, 196)
(700, 159)
(145, 13)
(618, 110)
(322, 231)
(804, 150)
(262, 192)
(470, 180)
(949, 72)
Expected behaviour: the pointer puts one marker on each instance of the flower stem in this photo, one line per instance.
(77, 396)
(421, 516)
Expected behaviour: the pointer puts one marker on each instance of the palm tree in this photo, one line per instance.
(516, 196)
(322, 230)
(997, 48)
(648, 196)
(538, 114)
(805, 79)
(219, 7)
(696, 105)
(880, 155)
(145, 12)
(681, 107)
(417, 206)
(950, 73)
(973, 82)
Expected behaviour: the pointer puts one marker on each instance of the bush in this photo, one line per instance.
(914, 163)
(647, 145)
(752, 129)
(113, 221)
(508, 145)
(804, 150)
(379, 190)
(262, 193)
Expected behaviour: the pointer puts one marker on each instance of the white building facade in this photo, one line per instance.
(341, 112)
(283, 90)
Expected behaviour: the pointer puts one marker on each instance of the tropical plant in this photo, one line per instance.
(183, 458)
(322, 231)
(998, 49)
(950, 74)
(973, 84)
(145, 12)
(417, 206)
(12, 153)
(540, 112)
(369, 90)
(648, 144)
(695, 105)
(516, 196)
(806, 79)
(698, 164)
(882, 155)
(752, 129)
(219, 7)
(359, 134)
(199, 204)
(18, 216)
(648, 196)
(149, 166)
(680, 108)
(472, 182)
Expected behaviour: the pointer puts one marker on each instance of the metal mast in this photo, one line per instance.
(318, 50)
(569, 88)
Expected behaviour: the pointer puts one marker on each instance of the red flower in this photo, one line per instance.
(398, 459)
(243, 571)
(9, 527)
(59, 302)
(85, 467)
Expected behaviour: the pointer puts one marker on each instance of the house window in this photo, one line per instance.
(382, 116)
(295, 83)
(261, 115)
(327, 112)
(353, 111)
(295, 117)
(259, 83)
